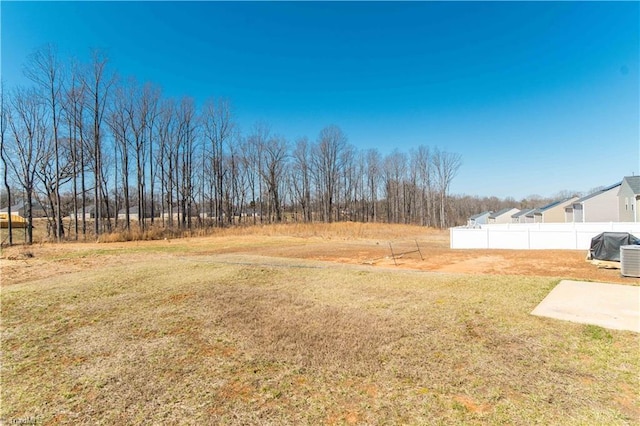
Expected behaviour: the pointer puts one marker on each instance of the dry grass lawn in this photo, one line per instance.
(248, 329)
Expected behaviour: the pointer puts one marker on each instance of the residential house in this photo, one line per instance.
(629, 199)
(478, 219)
(89, 213)
(530, 216)
(17, 209)
(502, 216)
(133, 214)
(521, 216)
(37, 209)
(553, 212)
(175, 215)
(599, 206)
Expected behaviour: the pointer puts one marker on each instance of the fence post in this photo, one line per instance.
(393, 256)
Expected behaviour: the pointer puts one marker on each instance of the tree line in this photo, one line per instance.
(105, 154)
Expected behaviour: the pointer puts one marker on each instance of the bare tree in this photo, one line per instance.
(98, 82)
(152, 95)
(72, 108)
(346, 184)
(140, 110)
(119, 122)
(256, 142)
(44, 69)
(301, 179)
(238, 177)
(27, 121)
(167, 140)
(446, 166)
(53, 174)
(421, 163)
(3, 157)
(326, 155)
(184, 156)
(374, 170)
(273, 172)
(395, 169)
(217, 129)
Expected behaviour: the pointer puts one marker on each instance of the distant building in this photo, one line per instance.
(530, 217)
(37, 209)
(502, 216)
(629, 199)
(133, 214)
(553, 212)
(521, 216)
(599, 206)
(89, 213)
(479, 219)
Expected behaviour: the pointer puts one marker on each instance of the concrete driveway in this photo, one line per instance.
(613, 306)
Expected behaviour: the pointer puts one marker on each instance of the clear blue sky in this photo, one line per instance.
(537, 97)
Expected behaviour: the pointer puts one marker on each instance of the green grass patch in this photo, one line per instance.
(598, 333)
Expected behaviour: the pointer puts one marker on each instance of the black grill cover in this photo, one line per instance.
(606, 246)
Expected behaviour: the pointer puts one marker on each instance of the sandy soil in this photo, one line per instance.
(434, 256)
(429, 252)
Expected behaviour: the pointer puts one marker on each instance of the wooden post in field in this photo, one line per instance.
(393, 256)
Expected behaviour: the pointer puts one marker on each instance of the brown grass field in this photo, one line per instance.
(301, 324)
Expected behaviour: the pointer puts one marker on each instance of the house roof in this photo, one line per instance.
(35, 204)
(552, 205)
(479, 215)
(500, 212)
(14, 208)
(522, 212)
(595, 194)
(633, 182)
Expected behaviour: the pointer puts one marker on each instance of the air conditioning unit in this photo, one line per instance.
(630, 261)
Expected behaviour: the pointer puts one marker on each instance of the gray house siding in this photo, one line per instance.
(629, 199)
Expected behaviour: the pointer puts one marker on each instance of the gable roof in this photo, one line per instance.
(501, 212)
(595, 194)
(633, 182)
(35, 205)
(522, 212)
(552, 205)
(548, 206)
(479, 215)
(14, 208)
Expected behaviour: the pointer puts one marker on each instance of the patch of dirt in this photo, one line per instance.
(435, 255)
(428, 252)
(471, 405)
(626, 400)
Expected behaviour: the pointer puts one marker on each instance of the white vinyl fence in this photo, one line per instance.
(536, 236)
